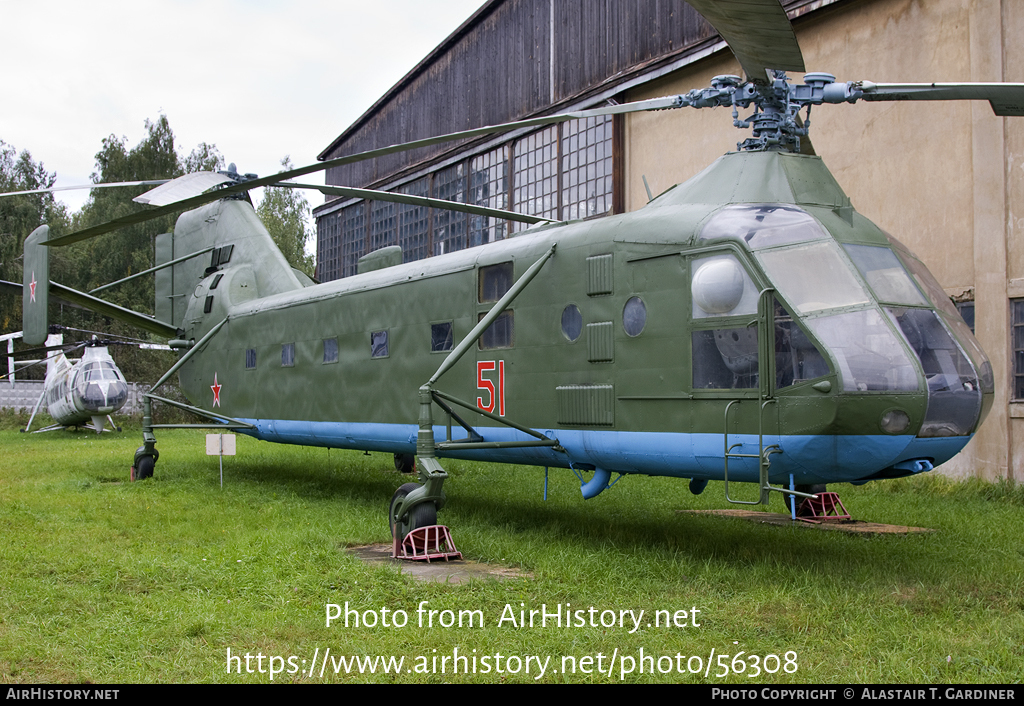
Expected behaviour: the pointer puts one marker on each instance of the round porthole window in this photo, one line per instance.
(634, 316)
(572, 322)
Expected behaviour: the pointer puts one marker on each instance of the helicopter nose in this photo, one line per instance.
(105, 396)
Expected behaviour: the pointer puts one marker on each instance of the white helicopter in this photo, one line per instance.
(83, 392)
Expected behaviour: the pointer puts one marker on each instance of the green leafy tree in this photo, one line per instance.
(285, 214)
(128, 250)
(91, 263)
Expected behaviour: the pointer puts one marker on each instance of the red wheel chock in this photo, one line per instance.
(827, 508)
(428, 544)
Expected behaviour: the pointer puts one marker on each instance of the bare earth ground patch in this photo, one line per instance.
(450, 572)
(775, 518)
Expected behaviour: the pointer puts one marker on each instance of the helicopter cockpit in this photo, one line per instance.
(873, 310)
(100, 387)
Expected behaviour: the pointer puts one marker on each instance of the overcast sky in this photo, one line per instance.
(260, 79)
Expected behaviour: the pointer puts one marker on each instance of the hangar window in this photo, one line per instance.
(1018, 348)
(328, 255)
(535, 175)
(330, 350)
(586, 167)
(250, 358)
(450, 226)
(488, 186)
(966, 311)
(413, 223)
(379, 344)
(382, 225)
(287, 355)
(353, 239)
(560, 172)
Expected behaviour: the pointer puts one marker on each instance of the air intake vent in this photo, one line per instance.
(586, 405)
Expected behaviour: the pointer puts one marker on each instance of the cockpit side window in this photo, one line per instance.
(867, 352)
(925, 279)
(885, 275)
(796, 358)
(724, 348)
(954, 391)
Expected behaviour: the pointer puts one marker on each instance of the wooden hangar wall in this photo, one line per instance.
(945, 178)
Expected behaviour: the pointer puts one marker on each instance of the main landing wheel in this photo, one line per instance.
(810, 489)
(143, 468)
(423, 515)
(405, 463)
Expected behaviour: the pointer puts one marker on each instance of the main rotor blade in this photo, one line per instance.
(196, 201)
(375, 195)
(181, 188)
(150, 182)
(146, 323)
(1005, 98)
(758, 32)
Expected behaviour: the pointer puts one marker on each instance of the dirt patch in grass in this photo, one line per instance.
(451, 572)
(851, 526)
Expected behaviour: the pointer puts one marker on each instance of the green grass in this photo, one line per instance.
(108, 581)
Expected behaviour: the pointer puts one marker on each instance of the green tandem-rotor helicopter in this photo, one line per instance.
(745, 326)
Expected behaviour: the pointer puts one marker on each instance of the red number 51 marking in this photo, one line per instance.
(495, 393)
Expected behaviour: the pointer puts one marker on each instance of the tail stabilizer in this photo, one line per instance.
(35, 294)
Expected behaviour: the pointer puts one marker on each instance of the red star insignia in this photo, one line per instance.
(32, 288)
(216, 391)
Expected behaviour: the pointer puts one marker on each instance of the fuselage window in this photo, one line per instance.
(287, 355)
(634, 316)
(572, 323)
(441, 337)
(500, 334)
(494, 282)
(250, 358)
(379, 344)
(330, 350)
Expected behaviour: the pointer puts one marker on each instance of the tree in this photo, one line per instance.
(116, 255)
(131, 249)
(284, 213)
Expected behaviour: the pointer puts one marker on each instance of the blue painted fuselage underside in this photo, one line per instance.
(809, 458)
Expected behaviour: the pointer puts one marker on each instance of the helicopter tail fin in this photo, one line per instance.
(225, 237)
(35, 293)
